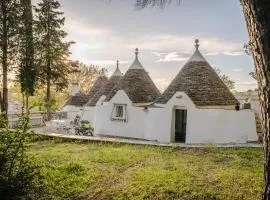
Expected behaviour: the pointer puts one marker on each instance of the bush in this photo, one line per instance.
(19, 176)
(85, 129)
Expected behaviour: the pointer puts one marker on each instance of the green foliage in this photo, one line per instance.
(27, 69)
(75, 170)
(9, 22)
(19, 175)
(9, 17)
(85, 128)
(53, 51)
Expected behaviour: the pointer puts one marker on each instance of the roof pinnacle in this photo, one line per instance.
(136, 52)
(103, 72)
(136, 64)
(117, 71)
(197, 43)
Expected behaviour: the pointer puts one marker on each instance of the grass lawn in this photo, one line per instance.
(97, 170)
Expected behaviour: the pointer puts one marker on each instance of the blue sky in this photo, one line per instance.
(105, 31)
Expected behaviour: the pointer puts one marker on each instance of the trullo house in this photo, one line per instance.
(197, 107)
(103, 91)
(76, 102)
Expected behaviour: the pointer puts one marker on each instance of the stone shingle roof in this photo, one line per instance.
(99, 83)
(201, 83)
(111, 83)
(137, 84)
(77, 100)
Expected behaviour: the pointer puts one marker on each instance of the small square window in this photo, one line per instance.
(119, 112)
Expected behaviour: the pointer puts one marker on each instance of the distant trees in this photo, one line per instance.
(53, 51)
(36, 49)
(85, 75)
(226, 79)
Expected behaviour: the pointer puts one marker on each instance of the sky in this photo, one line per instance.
(110, 30)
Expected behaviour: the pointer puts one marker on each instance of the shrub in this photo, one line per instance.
(19, 176)
(85, 128)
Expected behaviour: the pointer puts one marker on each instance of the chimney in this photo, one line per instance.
(75, 89)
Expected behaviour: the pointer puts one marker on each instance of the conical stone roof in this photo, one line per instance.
(200, 82)
(78, 100)
(137, 84)
(99, 84)
(111, 83)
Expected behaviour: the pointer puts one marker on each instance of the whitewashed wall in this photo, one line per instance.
(132, 128)
(72, 111)
(88, 113)
(212, 125)
(203, 125)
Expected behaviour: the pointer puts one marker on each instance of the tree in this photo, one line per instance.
(257, 17)
(8, 45)
(27, 68)
(54, 66)
(85, 76)
(226, 79)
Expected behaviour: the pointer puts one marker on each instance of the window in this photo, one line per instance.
(119, 112)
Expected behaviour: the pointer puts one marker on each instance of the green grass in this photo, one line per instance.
(97, 170)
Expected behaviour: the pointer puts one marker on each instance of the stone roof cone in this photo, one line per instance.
(200, 82)
(137, 84)
(111, 83)
(78, 100)
(101, 81)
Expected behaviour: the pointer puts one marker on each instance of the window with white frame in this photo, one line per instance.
(119, 112)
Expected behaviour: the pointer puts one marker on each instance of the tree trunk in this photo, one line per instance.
(257, 15)
(23, 103)
(48, 100)
(4, 100)
(27, 105)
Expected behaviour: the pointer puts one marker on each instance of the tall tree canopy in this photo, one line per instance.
(53, 51)
(257, 18)
(9, 20)
(27, 68)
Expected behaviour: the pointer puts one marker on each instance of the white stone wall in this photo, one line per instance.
(213, 125)
(88, 113)
(72, 111)
(157, 123)
(132, 128)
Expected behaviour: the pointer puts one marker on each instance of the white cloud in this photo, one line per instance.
(174, 56)
(247, 83)
(237, 70)
(181, 43)
(102, 62)
(158, 53)
(234, 53)
(95, 38)
(179, 47)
